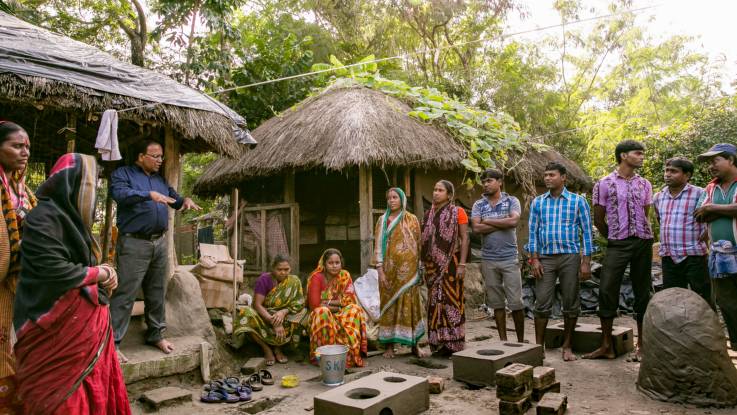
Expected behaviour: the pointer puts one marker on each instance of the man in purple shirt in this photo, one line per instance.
(622, 202)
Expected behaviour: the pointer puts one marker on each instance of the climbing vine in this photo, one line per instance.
(491, 139)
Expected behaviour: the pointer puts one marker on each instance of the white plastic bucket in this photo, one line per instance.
(332, 363)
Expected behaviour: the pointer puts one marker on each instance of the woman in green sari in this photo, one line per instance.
(276, 315)
(397, 256)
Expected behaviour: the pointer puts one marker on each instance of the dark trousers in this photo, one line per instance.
(141, 264)
(726, 295)
(692, 272)
(638, 254)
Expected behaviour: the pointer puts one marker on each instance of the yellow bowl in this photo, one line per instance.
(289, 381)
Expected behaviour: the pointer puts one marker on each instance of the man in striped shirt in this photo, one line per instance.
(559, 222)
(682, 250)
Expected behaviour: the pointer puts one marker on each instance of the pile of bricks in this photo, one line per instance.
(514, 389)
(543, 381)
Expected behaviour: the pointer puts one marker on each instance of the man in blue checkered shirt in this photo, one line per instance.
(559, 222)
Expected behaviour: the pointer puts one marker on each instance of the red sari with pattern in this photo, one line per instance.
(446, 314)
(347, 326)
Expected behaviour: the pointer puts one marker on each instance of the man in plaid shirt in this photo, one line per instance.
(559, 221)
(683, 252)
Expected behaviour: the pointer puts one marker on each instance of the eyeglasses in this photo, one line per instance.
(156, 157)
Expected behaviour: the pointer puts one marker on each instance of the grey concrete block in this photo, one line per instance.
(380, 393)
(552, 404)
(542, 376)
(253, 365)
(156, 399)
(587, 338)
(478, 365)
(538, 393)
(149, 362)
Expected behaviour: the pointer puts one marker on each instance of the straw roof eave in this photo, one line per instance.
(210, 131)
(347, 127)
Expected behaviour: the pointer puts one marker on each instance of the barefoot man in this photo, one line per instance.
(622, 202)
(559, 221)
(143, 199)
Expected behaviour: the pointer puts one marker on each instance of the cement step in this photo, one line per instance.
(146, 361)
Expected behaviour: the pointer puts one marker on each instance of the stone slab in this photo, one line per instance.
(156, 399)
(539, 393)
(380, 393)
(553, 404)
(146, 361)
(478, 365)
(587, 338)
(542, 376)
(253, 365)
(514, 407)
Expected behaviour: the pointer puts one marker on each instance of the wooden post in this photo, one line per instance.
(289, 196)
(366, 204)
(171, 175)
(71, 132)
(234, 203)
(107, 233)
(419, 208)
(264, 256)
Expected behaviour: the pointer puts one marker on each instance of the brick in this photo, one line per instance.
(253, 365)
(378, 393)
(478, 365)
(587, 338)
(436, 384)
(515, 407)
(514, 375)
(156, 399)
(542, 376)
(553, 404)
(538, 394)
(514, 394)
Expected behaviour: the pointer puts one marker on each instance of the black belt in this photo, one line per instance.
(144, 236)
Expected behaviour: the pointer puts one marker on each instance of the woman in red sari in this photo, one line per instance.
(444, 252)
(66, 361)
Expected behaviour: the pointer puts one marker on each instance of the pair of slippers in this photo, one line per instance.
(233, 389)
(228, 390)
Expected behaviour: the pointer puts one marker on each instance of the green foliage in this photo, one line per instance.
(490, 138)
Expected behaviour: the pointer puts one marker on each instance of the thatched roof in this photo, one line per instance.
(44, 69)
(344, 127)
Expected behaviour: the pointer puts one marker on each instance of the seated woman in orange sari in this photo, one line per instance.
(335, 317)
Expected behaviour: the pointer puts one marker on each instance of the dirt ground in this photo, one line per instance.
(593, 387)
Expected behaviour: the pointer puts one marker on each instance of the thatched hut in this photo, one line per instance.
(57, 88)
(328, 161)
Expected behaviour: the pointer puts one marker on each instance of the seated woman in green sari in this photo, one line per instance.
(276, 315)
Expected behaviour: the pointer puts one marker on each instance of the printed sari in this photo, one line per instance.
(398, 249)
(66, 360)
(285, 295)
(16, 202)
(446, 315)
(347, 326)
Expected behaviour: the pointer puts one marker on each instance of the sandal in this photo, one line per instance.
(266, 377)
(217, 394)
(244, 392)
(220, 384)
(254, 382)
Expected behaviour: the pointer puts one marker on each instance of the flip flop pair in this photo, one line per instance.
(225, 390)
(257, 381)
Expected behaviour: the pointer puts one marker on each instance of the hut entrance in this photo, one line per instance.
(329, 217)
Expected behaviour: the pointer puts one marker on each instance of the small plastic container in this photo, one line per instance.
(289, 381)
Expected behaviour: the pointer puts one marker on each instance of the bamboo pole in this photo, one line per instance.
(235, 252)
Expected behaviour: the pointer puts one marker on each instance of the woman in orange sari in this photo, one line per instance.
(335, 317)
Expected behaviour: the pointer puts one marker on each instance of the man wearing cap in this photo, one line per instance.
(718, 208)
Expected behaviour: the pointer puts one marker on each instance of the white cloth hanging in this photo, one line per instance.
(107, 136)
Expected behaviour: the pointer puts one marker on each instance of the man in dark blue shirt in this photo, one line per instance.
(143, 199)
